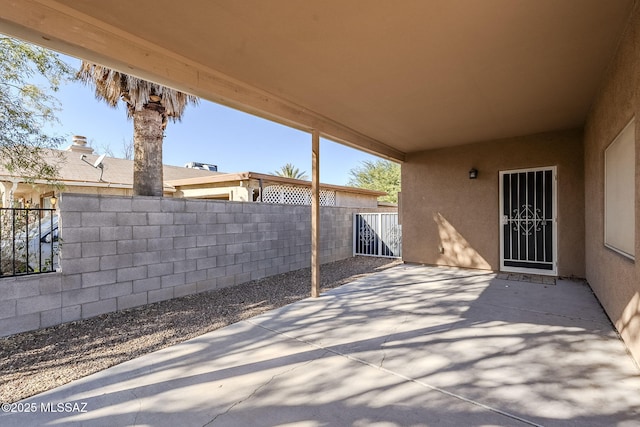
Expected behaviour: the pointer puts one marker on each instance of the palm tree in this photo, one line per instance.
(290, 171)
(150, 105)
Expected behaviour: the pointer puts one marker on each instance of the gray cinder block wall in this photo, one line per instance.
(122, 252)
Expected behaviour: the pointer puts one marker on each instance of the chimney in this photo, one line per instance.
(80, 145)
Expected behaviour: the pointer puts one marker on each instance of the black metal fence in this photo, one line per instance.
(29, 241)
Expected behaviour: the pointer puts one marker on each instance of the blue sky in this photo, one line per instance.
(209, 133)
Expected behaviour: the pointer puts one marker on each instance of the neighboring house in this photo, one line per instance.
(78, 175)
(257, 187)
(115, 177)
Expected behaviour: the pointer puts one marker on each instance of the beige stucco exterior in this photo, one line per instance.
(449, 219)
(353, 200)
(614, 278)
(232, 191)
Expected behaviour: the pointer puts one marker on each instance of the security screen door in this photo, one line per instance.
(528, 221)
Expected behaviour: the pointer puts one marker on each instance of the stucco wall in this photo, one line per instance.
(614, 278)
(445, 210)
(353, 200)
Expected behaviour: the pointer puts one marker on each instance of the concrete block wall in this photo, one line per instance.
(120, 252)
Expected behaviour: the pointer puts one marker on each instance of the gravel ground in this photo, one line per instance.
(33, 362)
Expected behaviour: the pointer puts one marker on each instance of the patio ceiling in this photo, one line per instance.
(388, 77)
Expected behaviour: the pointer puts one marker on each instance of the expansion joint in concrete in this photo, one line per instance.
(261, 386)
(401, 376)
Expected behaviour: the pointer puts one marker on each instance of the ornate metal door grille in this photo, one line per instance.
(528, 221)
(377, 234)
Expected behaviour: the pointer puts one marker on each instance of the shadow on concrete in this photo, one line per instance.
(408, 346)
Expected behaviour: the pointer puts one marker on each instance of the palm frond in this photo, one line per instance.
(290, 171)
(112, 86)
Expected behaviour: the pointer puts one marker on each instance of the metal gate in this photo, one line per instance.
(28, 241)
(528, 223)
(377, 234)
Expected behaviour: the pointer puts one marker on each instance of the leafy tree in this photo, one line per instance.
(150, 105)
(381, 175)
(290, 171)
(26, 108)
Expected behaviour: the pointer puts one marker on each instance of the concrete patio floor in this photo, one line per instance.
(409, 346)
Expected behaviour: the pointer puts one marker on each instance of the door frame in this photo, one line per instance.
(554, 233)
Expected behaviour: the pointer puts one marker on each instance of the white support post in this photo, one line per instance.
(315, 213)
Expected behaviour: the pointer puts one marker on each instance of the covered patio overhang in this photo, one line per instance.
(385, 77)
(397, 79)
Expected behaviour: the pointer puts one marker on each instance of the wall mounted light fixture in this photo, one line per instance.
(473, 173)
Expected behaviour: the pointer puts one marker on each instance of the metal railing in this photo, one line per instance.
(377, 234)
(29, 241)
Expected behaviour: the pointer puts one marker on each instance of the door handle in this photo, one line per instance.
(505, 219)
